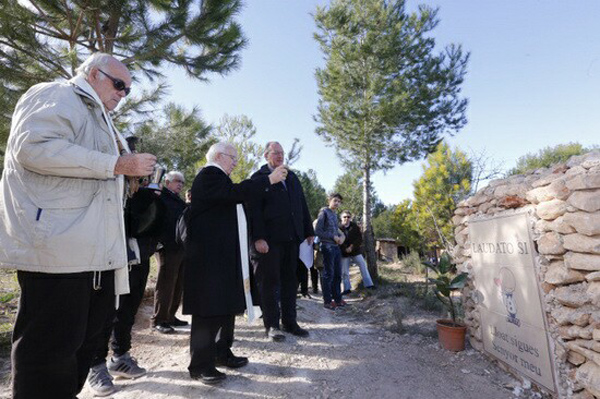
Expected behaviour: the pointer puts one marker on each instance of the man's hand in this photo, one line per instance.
(310, 240)
(279, 174)
(261, 246)
(135, 165)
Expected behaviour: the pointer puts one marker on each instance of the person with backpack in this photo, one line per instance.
(169, 283)
(331, 238)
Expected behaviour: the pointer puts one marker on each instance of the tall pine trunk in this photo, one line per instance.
(369, 239)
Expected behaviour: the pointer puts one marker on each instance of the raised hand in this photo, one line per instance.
(261, 246)
(279, 174)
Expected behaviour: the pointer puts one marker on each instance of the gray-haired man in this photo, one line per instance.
(169, 282)
(61, 223)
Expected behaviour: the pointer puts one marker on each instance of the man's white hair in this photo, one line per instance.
(96, 60)
(268, 147)
(216, 149)
(173, 174)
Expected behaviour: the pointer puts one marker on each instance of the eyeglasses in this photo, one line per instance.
(118, 84)
(233, 158)
(178, 181)
(345, 217)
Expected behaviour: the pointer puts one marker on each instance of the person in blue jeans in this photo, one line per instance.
(331, 238)
(352, 253)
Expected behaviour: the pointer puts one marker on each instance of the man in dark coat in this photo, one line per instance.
(169, 282)
(280, 222)
(213, 286)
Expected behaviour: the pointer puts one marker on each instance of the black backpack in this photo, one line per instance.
(144, 214)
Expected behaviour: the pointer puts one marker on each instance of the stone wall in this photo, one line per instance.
(564, 202)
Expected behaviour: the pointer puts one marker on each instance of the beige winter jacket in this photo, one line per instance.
(61, 208)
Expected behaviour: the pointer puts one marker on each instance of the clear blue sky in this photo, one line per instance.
(533, 80)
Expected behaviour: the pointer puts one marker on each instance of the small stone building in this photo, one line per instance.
(564, 205)
(386, 249)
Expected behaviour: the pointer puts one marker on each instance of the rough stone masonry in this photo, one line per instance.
(564, 202)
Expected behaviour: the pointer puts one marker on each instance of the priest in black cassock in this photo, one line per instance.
(213, 284)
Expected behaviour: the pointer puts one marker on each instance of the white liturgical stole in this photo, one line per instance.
(253, 313)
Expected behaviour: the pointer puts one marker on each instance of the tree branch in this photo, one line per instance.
(45, 16)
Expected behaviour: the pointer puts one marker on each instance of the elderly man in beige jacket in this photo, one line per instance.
(61, 223)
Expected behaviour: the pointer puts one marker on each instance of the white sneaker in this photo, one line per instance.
(125, 366)
(100, 381)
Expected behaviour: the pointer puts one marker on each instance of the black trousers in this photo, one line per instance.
(169, 284)
(58, 330)
(302, 275)
(275, 272)
(211, 338)
(120, 324)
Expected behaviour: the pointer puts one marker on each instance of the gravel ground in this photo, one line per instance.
(353, 352)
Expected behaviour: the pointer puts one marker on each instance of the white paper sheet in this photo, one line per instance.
(306, 254)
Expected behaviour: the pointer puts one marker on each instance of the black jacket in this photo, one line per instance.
(281, 215)
(144, 214)
(213, 284)
(354, 237)
(175, 206)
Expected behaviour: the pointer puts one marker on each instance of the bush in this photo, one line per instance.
(547, 157)
(412, 262)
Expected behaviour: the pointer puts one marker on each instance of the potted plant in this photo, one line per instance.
(451, 333)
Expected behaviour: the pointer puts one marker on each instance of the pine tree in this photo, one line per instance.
(350, 186)
(178, 137)
(386, 96)
(315, 194)
(43, 40)
(240, 131)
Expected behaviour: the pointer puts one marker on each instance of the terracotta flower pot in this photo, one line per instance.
(451, 337)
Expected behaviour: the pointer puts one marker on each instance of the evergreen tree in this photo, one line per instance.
(386, 96)
(315, 194)
(398, 222)
(383, 224)
(350, 186)
(179, 138)
(446, 180)
(405, 226)
(239, 131)
(44, 40)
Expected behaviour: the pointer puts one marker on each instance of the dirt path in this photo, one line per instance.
(349, 354)
(354, 352)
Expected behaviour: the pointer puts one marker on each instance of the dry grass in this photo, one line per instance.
(9, 298)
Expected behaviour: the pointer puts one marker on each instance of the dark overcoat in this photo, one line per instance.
(281, 215)
(213, 284)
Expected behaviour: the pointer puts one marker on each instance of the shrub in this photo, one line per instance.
(412, 262)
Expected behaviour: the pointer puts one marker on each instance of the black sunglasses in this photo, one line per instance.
(118, 84)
